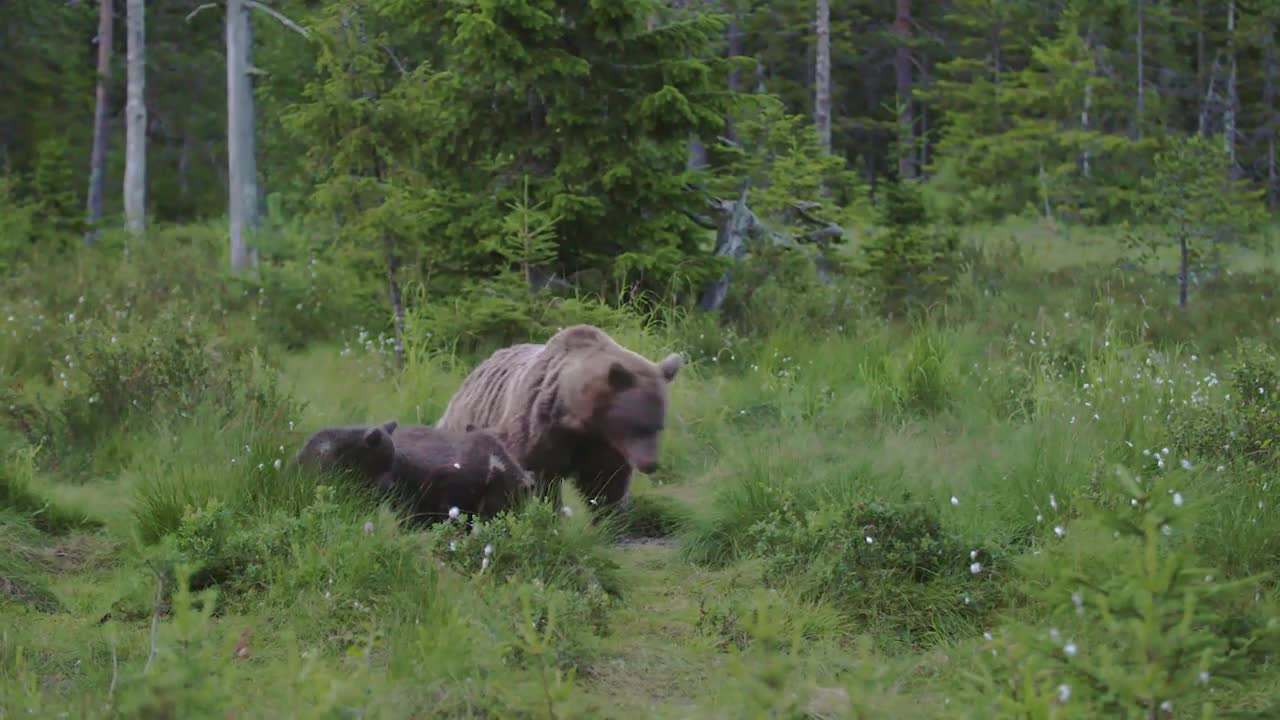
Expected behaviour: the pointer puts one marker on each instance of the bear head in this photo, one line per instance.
(620, 397)
(368, 451)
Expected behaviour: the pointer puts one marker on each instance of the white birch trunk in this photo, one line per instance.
(135, 165)
(822, 75)
(98, 158)
(242, 174)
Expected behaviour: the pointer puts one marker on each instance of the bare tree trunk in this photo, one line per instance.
(397, 302)
(242, 175)
(98, 157)
(1084, 125)
(1201, 69)
(902, 75)
(822, 74)
(734, 37)
(1229, 111)
(1269, 103)
(1141, 107)
(135, 164)
(1183, 272)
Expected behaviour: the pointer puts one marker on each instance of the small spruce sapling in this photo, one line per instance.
(1192, 197)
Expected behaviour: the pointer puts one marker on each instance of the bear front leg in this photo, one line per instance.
(606, 487)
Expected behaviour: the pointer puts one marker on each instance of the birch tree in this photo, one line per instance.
(135, 166)
(98, 158)
(902, 76)
(822, 74)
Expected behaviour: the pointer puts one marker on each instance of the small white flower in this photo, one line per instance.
(456, 466)
(975, 568)
(1221, 468)
(1177, 499)
(1078, 600)
(1055, 635)
(1186, 464)
(1039, 517)
(488, 550)
(453, 513)
(973, 554)
(870, 540)
(987, 634)
(1164, 451)
(484, 564)
(277, 463)
(1204, 677)
(1166, 706)
(1053, 502)
(568, 511)
(955, 500)
(1059, 531)
(1070, 648)
(368, 526)
(453, 545)
(1064, 693)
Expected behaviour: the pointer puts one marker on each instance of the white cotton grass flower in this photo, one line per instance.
(1064, 693)
(975, 568)
(870, 540)
(1186, 464)
(1177, 499)
(484, 564)
(568, 511)
(955, 500)
(1070, 648)
(1059, 531)
(488, 550)
(278, 463)
(368, 526)
(454, 513)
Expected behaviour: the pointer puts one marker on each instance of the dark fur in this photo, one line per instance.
(581, 406)
(365, 451)
(470, 470)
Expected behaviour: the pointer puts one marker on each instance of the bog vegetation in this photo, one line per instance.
(982, 404)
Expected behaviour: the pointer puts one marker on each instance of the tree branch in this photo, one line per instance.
(201, 8)
(278, 16)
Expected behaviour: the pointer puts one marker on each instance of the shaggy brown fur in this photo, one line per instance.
(366, 451)
(471, 470)
(580, 406)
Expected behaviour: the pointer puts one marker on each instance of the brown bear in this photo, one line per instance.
(437, 470)
(580, 406)
(368, 452)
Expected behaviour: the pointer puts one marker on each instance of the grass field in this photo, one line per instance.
(1053, 495)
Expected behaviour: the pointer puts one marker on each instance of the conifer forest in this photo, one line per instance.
(639, 359)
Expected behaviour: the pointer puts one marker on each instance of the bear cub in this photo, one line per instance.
(367, 452)
(436, 470)
(427, 469)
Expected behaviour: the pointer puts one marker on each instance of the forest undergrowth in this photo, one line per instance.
(1049, 493)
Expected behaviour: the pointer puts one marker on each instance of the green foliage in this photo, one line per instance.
(1242, 424)
(885, 564)
(19, 495)
(1158, 631)
(532, 544)
(911, 258)
(1192, 196)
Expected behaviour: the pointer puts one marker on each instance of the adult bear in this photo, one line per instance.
(579, 406)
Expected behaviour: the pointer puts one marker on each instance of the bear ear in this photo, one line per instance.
(620, 378)
(390, 426)
(373, 438)
(670, 366)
